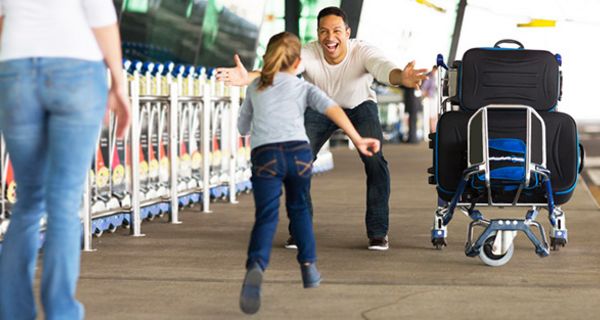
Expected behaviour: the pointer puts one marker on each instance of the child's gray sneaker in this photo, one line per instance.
(250, 295)
(311, 278)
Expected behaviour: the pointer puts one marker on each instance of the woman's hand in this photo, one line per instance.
(118, 103)
(108, 40)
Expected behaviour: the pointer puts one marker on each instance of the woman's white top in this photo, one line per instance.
(53, 28)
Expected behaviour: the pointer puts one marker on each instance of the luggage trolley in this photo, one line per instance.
(191, 113)
(505, 146)
(219, 151)
(109, 194)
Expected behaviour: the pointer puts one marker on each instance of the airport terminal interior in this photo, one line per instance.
(494, 168)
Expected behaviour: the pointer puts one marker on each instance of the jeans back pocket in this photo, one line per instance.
(265, 163)
(303, 159)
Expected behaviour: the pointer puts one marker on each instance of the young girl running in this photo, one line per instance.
(273, 114)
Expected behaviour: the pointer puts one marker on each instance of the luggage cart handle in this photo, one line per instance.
(478, 144)
(497, 44)
(439, 61)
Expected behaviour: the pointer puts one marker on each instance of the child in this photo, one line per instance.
(273, 113)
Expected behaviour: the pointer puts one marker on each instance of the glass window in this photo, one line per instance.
(206, 32)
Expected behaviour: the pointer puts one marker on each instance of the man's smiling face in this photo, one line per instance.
(333, 38)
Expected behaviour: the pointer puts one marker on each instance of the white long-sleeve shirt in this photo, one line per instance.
(53, 28)
(349, 82)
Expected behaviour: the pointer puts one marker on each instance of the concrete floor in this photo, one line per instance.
(194, 270)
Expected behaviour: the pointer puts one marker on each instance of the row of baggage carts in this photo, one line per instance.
(183, 149)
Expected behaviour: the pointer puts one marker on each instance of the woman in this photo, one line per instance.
(53, 94)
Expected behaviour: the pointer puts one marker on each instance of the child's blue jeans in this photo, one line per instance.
(275, 165)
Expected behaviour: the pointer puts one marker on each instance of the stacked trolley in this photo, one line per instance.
(500, 142)
(169, 160)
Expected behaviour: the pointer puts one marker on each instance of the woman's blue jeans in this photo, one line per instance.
(275, 165)
(50, 115)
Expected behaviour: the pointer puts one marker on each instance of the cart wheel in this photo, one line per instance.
(98, 232)
(112, 228)
(486, 255)
(556, 243)
(439, 243)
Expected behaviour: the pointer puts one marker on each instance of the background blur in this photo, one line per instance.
(209, 32)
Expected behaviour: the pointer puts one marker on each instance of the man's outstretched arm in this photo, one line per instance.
(238, 75)
(385, 71)
(409, 77)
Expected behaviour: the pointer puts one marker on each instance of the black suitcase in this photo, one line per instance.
(450, 153)
(507, 76)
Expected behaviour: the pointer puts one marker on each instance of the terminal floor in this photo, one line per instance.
(194, 270)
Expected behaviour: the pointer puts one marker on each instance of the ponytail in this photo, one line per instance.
(282, 51)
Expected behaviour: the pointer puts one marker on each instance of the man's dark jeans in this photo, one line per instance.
(365, 119)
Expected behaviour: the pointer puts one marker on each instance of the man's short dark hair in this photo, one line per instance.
(333, 11)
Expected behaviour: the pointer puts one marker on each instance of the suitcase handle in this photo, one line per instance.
(497, 45)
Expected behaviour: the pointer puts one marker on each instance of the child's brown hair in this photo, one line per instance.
(282, 51)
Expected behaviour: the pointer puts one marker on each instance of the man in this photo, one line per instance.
(345, 68)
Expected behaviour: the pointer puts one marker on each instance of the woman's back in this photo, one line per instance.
(53, 28)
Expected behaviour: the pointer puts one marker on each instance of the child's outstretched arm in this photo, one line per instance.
(366, 146)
